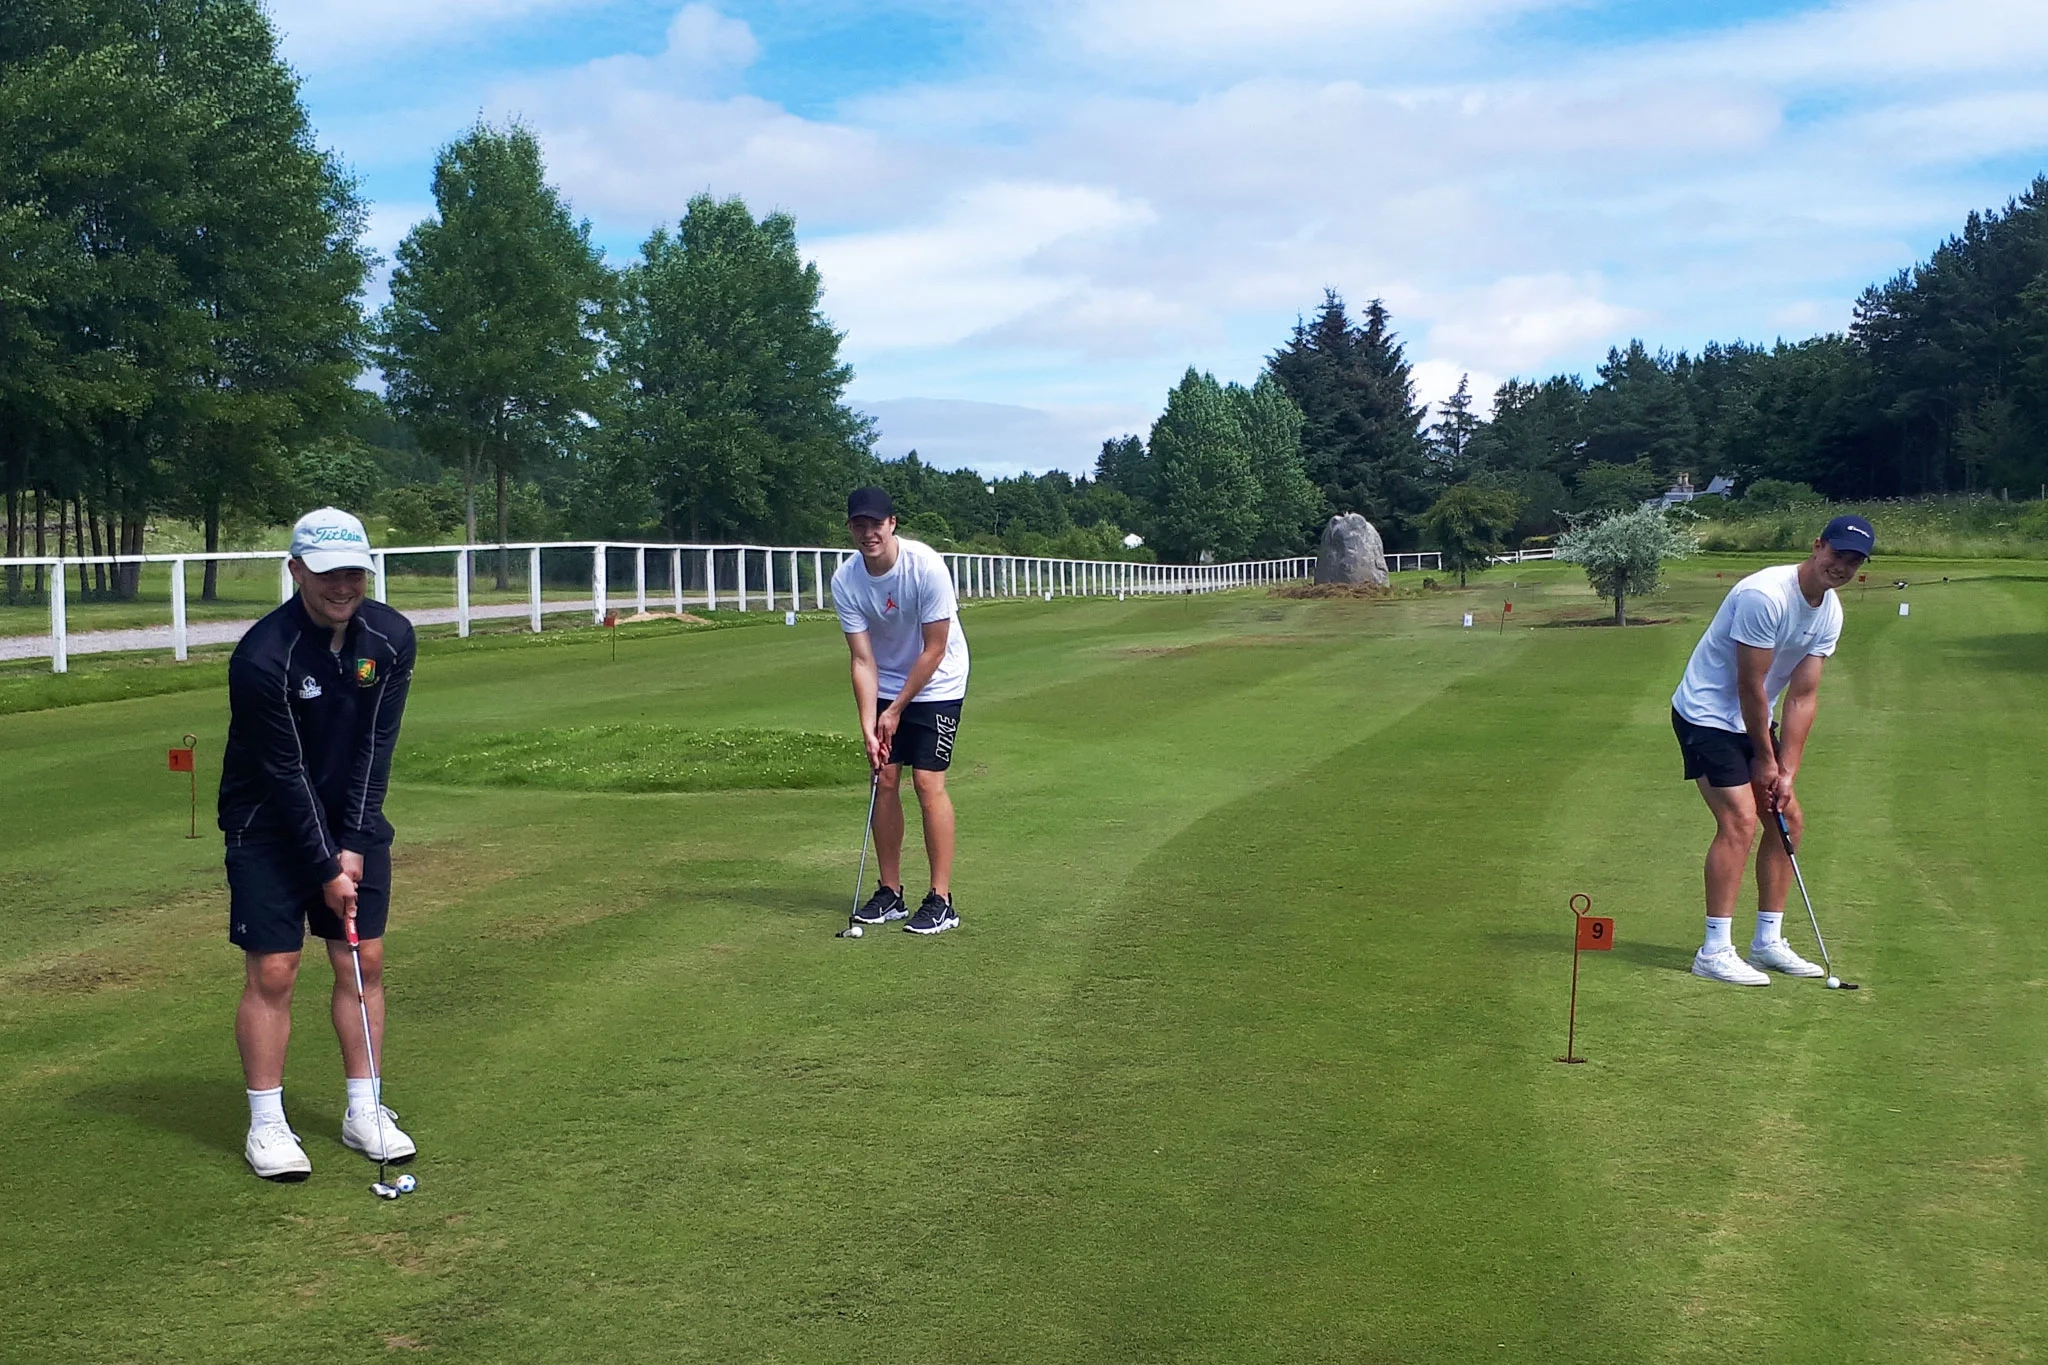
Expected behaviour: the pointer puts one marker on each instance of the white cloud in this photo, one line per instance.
(321, 35)
(1237, 31)
(1001, 438)
(1136, 185)
(633, 137)
(1002, 255)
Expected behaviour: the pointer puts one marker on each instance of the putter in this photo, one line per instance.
(853, 930)
(381, 1189)
(1785, 834)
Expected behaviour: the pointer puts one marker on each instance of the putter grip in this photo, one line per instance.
(349, 924)
(1784, 832)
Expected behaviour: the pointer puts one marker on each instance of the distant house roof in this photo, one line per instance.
(1720, 486)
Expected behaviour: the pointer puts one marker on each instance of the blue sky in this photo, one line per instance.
(1032, 218)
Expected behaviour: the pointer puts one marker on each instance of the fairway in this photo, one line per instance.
(1242, 1053)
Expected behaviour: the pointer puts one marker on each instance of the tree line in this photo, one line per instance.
(182, 334)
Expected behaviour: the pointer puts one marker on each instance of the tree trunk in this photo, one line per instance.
(470, 454)
(86, 517)
(211, 516)
(1619, 618)
(81, 521)
(13, 542)
(137, 543)
(503, 584)
(40, 543)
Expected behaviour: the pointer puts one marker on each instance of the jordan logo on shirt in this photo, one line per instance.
(888, 605)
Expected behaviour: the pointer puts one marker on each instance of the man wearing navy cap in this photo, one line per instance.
(316, 691)
(902, 621)
(1769, 640)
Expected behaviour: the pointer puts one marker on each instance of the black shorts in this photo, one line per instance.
(273, 899)
(1721, 756)
(925, 738)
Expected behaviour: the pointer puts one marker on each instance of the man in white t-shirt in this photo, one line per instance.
(1769, 639)
(902, 623)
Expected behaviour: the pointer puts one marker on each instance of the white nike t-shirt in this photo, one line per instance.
(1765, 610)
(894, 609)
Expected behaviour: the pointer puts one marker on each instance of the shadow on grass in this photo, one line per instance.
(213, 1112)
(2020, 652)
(806, 901)
(1658, 955)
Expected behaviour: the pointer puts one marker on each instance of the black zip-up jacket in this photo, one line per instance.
(310, 734)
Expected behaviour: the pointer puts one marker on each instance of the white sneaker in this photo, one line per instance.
(1779, 957)
(1723, 965)
(274, 1153)
(361, 1131)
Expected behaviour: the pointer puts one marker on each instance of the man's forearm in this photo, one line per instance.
(1756, 719)
(866, 688)
(1799, 714)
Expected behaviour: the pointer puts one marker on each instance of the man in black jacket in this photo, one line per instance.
(316, 691)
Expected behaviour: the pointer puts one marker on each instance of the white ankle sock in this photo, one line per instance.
(362, 1095)
(1768, 928)
(266, 1106)
(1718, 932)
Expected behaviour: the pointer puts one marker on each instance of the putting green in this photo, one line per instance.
(1243, 1051)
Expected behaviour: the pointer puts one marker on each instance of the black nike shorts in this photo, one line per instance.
(273, 899)
(925, 738)
(1721, 756)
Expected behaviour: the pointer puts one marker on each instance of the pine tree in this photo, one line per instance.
(1362, 441)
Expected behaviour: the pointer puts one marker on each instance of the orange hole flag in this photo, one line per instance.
(1596, 933)
(181, 761)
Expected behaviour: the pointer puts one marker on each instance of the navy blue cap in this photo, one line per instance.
(1850, 533)
(870, 502)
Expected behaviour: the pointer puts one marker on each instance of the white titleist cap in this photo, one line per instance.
(330, 539)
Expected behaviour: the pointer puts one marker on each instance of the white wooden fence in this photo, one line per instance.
(736, 576)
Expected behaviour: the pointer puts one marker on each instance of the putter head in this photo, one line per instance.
(850, 931)
(383, 1191)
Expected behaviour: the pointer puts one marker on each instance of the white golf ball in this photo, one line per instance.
(406, 1184)
(1834, 983)
(853, 931)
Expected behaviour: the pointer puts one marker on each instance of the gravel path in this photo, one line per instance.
(227, 632)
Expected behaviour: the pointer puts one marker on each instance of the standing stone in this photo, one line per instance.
(1351, 552)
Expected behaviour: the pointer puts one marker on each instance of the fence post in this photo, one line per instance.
(178, 650)
(741, 556)
(768, 575)
(711, 580)
(284, 579)
(462, 594)
(675, 577)
(597, 586)
(533, 589)
(383, 588)
(60, 661)
(640, 580)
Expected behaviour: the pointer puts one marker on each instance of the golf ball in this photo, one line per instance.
(1834, 983)
(406, 1184)
(853, 931)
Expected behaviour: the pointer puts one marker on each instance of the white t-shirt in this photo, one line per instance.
(1765, 610)
(894, 610)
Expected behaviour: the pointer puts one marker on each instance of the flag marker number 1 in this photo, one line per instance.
(1592, 933)
(182, 761)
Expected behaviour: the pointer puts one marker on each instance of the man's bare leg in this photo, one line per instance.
(889, 826)
(935, 804)
(1735, 828)
(263, 1018)
(348, 1020)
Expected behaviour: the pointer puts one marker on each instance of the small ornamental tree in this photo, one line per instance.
(1468, 523)
(1624, 554)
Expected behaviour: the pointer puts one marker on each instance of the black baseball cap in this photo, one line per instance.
(1850, 533)
(870, 502)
